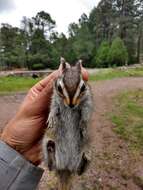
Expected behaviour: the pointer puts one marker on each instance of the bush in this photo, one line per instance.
(102, 55)
(38, 61)
(118, 54)
(38, 66)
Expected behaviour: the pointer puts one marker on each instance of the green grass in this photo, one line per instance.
(15, 84)
(109, 74)
(128, 118)
(18, 84)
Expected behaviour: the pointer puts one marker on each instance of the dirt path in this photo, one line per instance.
(8, 107)
(113, 167)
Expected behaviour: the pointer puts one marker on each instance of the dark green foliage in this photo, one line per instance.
(37, 59)
(11, 47)
(38, 66)
(81, 41)
(37, 42)
(105, 21)
(102, 56)
(118, 54)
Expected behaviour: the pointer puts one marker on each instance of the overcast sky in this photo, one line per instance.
(63, 11)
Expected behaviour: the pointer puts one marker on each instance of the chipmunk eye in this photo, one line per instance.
(60, 89)
(83, 88)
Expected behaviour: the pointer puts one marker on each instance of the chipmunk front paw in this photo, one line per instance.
(83, 164)
(51, 155)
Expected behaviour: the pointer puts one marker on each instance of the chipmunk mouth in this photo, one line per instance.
(72, 103)
(69, 103)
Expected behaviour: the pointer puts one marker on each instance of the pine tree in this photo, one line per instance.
(102, 55)
(118, 54)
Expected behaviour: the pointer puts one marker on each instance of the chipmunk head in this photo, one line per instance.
(70, 86)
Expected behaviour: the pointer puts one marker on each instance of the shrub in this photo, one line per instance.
(38, 66)
(41, 60)
(102, 55)
(118, 54)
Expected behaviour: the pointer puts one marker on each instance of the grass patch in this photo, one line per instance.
(109, 74)
(18, 84)
(15, 84)
(128, 117)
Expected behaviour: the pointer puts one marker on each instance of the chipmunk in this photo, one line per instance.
(66, 139)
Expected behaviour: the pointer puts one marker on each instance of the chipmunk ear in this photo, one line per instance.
(64, 64)
(79, 65)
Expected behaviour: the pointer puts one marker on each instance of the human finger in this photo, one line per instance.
(43, 83)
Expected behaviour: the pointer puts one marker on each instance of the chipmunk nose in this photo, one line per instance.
(71, 105)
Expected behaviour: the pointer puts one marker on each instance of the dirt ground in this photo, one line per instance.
(113, 166)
